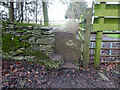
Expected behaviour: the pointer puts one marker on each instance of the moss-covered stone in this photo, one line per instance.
(12, 43)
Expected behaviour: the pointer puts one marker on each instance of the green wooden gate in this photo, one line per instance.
(106, 18)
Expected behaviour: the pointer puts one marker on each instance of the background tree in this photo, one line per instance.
(76, 9)
(22, 11)
(12, 11)
(45, 12)
(36, 12)
(4, 14)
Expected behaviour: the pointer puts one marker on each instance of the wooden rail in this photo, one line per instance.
(106, 55)
(108, 62)
(108, 48)
(106, 41)
(107, 32)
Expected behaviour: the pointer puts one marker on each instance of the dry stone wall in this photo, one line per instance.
(40, 38)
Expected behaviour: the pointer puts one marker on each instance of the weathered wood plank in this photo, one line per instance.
(87, 35)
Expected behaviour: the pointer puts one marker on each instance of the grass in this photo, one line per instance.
(26, 24)
(23, 24)
(114, 36)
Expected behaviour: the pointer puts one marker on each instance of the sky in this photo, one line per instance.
(57, 10)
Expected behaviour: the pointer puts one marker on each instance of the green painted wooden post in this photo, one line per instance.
(97, 49)
(98, 44)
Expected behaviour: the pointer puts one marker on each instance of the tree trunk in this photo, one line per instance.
(36, 12)
(45, 12)
(12, 11)
(21, 11)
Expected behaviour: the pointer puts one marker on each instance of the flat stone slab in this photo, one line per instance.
(56, 57)
(45, 28)
(18, 58)
(68, 46)
(44, 41)
(45, 47)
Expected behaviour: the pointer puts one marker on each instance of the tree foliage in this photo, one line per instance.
(76, 9)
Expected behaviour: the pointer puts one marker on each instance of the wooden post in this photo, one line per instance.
(98, 49)
(87, 35)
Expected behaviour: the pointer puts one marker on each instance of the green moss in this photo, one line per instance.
(4, 24)
(26, 24)
(12, 43)
(24, 37)
(6, 42)
(38, 54)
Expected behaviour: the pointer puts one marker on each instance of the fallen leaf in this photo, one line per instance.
(108, 69)
(44, 72)
(36, 72)
(80, 74)
(101, 68)
(12, 85)
(5, 83)
(73, 75)
(28, 76)
(15, 70)
(73, 83)
(29, 80)
(18, 63)
(81, 68)
(28, 72)
(7, 75)
(31, 63)
(42, 76)
(22, 68)
(87, 69)
(11, 68)
(68, 75)
(36, 76)
(103, 76)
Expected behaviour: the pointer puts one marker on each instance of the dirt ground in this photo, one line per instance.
(16, 74)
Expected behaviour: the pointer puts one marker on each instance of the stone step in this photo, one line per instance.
(47, 33)
(45, 47)
(70, 65)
